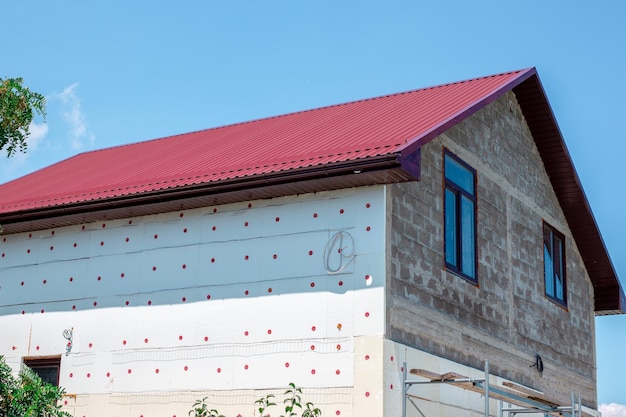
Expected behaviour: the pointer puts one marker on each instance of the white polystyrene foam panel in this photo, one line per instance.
(188, 296)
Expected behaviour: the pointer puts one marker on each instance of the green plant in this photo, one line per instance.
(27, 395)
(17, 107)
(8, 384)
(292, 403)
(264, 403)
(201, 409)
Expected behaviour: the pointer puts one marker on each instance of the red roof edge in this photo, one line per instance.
(469, 110)
(609, 294)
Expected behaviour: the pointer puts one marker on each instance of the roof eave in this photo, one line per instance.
(609, 295)
(383, 169)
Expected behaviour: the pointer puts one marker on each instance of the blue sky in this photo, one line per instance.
(117, 72)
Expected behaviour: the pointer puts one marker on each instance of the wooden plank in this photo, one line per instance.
(535, 397)
(452, 375)
(496, 396)
(530, 393)
(518, 393)
(426, 374)
(434, 376)
(522, 388)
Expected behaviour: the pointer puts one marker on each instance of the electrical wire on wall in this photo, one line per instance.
(339, 252)
(68, 334)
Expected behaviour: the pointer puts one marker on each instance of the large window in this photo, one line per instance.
(554, 264)
(46, 368)
(460, 217)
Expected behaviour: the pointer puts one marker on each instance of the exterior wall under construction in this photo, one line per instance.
(505, 316)
(229, 302)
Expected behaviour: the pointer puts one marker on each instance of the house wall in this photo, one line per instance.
(506, 318)
(222, 302)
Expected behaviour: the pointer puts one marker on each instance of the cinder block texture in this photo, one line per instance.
(506, 318)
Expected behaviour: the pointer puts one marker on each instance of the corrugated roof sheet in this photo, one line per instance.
(339, 133)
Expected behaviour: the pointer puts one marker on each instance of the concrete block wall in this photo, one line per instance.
(506, 318)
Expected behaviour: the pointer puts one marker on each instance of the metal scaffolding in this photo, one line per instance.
(520, 399)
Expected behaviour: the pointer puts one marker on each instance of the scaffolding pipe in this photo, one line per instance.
(533, 407)
(405, 388)
(524, 410)
(580, 405)
(486, 387)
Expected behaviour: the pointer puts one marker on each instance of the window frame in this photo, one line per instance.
(459, 192)
(550, 232)
(35, 363)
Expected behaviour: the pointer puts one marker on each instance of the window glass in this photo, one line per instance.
(467, 244)
(451, 228)
(554, 264)
(48, 374)
(460, 217)
(547, 270)
(558, 266)
(46, 368)
(460, 175)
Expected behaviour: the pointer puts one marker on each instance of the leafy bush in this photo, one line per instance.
(27, 395)
(18, 105)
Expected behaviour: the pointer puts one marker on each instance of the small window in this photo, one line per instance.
(460, 217)
(554, 264)
(46, 368)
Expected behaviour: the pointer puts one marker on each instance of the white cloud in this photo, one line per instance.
(612, 410)
(36, 134)
(73, 116)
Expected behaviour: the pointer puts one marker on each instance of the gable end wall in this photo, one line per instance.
(506, 319)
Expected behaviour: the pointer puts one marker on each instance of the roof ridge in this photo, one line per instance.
(330, 106)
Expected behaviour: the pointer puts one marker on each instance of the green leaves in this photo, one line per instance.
(28, 395)
(264, 403)
(201, 409)
(292, 403)
(18, 106)
(8, 385)
(311, 411)
(293, 400)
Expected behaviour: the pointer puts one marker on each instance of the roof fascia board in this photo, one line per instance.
(565, 181)
(466, 112)
(383, 163)
(412, 163)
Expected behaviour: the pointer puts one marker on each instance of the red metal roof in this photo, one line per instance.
(364, 142)
(340, 133)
